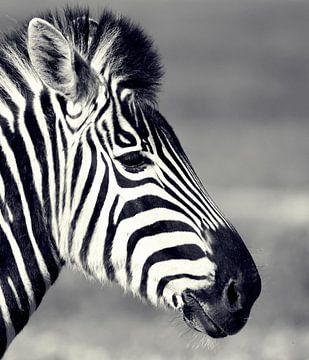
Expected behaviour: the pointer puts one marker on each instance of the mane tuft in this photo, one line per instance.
(114, 43)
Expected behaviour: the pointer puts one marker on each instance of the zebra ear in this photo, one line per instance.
(58, 65)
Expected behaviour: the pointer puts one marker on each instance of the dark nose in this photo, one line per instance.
(240, 292)
(222, 310)
(233, 296)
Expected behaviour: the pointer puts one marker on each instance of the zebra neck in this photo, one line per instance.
(28, 267)
(24, 279)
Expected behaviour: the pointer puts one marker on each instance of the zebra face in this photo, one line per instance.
(171, 244)
(134, 211)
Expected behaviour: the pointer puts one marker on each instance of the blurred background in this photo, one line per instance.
(236, 92)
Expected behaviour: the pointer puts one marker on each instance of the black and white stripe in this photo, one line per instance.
(91, 175)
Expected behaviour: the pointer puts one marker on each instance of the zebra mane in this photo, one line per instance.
(113, 42)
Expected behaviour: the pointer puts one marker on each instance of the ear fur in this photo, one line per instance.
(93, 26)
(58, 65)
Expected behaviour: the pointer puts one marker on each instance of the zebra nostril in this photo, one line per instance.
(232, 296)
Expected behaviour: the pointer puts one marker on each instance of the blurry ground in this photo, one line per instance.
(236, 91)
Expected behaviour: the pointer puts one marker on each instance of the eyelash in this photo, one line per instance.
(134, 161)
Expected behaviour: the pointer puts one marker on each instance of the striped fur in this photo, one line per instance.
(91, 175)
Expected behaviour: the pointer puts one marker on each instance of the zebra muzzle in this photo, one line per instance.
(196, 318)
(216, 315)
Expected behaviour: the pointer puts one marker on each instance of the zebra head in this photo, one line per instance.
(130, 208)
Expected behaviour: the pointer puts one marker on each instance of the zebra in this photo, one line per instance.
(92, 176)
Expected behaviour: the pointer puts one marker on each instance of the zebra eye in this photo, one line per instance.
(134, 161)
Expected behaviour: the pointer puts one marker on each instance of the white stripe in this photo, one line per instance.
(12, 286)
(149, 245)
(3, 197)
(2, 188)
(177, 286)
(129, 225)
(62, 167)
(200, 267)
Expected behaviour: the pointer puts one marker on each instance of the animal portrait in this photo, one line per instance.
(93, 177)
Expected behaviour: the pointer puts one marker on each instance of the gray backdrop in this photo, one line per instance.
(236, 91)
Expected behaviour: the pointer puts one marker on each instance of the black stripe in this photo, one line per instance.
(40, 151)
(201, 194)
(18, 316)
(76, 116)
(95, 215)
(200, 202)
(126, 111)
(158, 144)
(3, 339)
(63, 104)
(130, 209)
(119, 132)
(63, 140)
(196, 183)
(124, 182)
(76, 169)
(178, 175)
(110, 234)
(102, 110)
(164, 281)
(178, 154)
(185, 196)
(108, 135)
(187, 252)
(65, 152)
(145, 203)
(87, 186)
(9, 102)
(143, 130)
(50, 119)
(159, 227)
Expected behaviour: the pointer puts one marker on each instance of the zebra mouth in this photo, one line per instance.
(196, 318)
